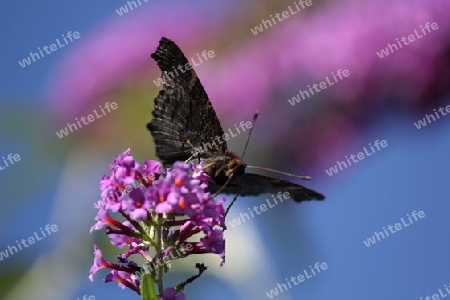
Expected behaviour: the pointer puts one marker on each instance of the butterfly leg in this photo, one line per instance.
(232, 202)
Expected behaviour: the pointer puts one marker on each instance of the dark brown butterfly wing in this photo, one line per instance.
(255, 184)
(183, 115)
(184, 118)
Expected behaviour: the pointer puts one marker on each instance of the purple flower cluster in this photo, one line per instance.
(157, 210)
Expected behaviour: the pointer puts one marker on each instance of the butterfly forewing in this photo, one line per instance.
(183, 117)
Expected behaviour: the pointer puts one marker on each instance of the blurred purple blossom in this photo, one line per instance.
(304, 49)
(119, 51)
(263, 71)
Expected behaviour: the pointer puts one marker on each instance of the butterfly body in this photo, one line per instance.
(224, 168)
(184, 120)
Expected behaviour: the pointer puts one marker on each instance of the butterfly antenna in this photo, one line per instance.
(284, 173)
(255, 116)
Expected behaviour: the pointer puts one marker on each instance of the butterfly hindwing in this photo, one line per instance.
(183, 116)
(254, 184)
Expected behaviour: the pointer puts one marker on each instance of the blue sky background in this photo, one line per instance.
(56, 180)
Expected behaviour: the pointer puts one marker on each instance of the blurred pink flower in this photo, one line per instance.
(339, 35)
(269, 68)
(120, 50)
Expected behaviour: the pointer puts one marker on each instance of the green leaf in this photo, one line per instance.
(148, 291)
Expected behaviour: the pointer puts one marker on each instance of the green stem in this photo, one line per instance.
(159, 246)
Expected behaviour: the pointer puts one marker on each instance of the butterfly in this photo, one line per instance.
(184, 119)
